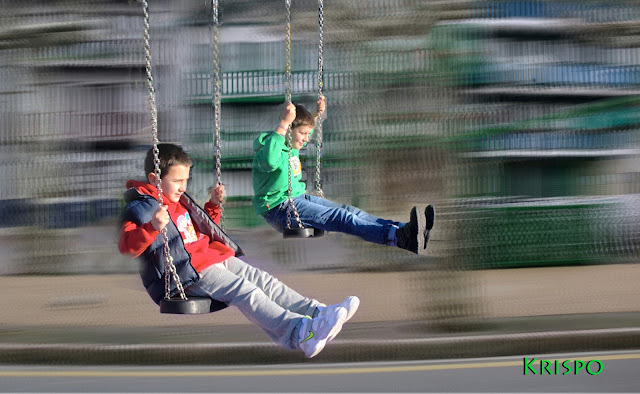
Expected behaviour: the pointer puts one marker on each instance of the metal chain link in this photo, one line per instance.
(287, 53)
(318, 185)
(217, 93)
(292, 205)
(169, 268)
(287, 90)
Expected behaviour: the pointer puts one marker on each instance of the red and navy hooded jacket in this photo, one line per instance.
(138, 238)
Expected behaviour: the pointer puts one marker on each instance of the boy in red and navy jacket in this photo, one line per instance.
(207, 262)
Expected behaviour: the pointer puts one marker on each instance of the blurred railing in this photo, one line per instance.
(515, 116)
(255, 86)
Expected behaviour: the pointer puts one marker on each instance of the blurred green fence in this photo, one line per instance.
(529, 104)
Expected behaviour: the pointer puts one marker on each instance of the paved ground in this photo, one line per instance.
(403, 315)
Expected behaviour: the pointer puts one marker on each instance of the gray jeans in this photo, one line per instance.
(262, 298)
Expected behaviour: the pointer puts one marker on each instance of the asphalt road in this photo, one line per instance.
(613, 372)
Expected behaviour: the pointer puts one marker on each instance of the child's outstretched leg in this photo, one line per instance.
(277, 291)
(349, 208)
(329, 216)
(285, 296)
(218, 283)
(289, 329)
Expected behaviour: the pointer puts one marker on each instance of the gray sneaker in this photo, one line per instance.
(313, 333)
(351, 305)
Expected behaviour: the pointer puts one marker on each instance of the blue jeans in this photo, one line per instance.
(263, 299)
(330, 216)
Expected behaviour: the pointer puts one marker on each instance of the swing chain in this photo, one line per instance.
(169, 267)
(217, 90)
(320, 47)
(287, 70)
(292, 205)
(287, 53)
(318, 185)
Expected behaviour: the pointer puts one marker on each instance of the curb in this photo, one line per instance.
(242, 353)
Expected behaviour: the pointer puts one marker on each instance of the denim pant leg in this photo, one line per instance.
(358, 212)
(231, 282)
(354, 210)
(326, 215)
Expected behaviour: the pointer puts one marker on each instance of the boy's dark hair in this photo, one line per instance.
(303, 117)
(169, 155)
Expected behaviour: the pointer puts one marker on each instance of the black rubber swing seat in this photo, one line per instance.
(190, 306)
(305, 232)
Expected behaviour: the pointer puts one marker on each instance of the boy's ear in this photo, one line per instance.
(151, 177)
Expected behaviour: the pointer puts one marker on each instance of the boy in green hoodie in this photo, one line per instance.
(271, 163)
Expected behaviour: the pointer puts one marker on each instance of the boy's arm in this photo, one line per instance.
(134, 239)
(271, 156)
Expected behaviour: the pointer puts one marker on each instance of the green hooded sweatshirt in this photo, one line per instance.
(270, 165)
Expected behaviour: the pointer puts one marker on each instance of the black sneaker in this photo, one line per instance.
(429, 218)
(408, 234)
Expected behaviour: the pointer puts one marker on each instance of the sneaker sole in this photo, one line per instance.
(426, 224)
(430, 216)
(414, 242)
(318, 349)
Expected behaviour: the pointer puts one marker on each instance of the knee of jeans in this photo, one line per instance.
(352, 209)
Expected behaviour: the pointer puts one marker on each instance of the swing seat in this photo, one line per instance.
(307, 232)
(191, 306)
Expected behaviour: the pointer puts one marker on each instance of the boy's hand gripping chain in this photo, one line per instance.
(169, 268)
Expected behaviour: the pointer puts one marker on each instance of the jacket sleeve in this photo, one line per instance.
(134, 239)
(271, 157)
(213, 211)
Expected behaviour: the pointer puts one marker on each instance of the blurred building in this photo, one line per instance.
(517, 118)
(551, 131)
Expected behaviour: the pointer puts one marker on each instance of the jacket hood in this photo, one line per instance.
(143, 188)
(135, 189)
(259, 142)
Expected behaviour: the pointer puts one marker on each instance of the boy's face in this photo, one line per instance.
(174, 183)
(300, 136)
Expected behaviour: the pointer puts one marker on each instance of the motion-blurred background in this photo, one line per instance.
(518, 120)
